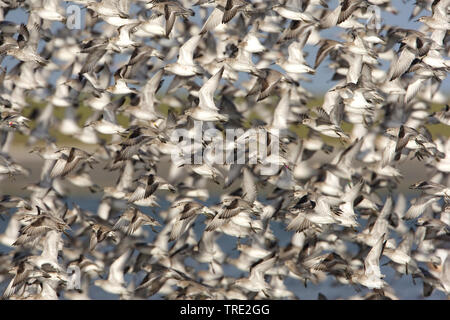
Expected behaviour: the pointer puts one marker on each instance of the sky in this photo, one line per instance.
(321, 81)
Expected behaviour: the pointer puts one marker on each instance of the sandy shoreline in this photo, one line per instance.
(412, 172)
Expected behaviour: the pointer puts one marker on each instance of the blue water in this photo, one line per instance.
(404, 287)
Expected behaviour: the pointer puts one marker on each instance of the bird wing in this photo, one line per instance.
(292, 31)
(389, 152)
(151, 87)
(92, 240)
(299, 223)
(440, 9)
(215, 223)
(230, 11)
(407, 242)
(420, 206)
(387, 208)
(323, 51)
(92, 59)
(322, 116)
(347, 8)
(214, 19)
(33, 230)
(353, 193)
(123, 6)
(403, 62)
(413, 89)
(186, 53)
(354, 72)
(267, 84)
(233, 173)
(123, 222)
(372, 261)
(206, 92)
(249, 187)
(151, 188)
(138, 194)
(117, 268)
(337, 113)
(295, 52)
(61, 163)
(142, 218)
(258, 270)
(109, 113)
(23, 37)
(281, 112)
(331, 19)
(70, 166)
(323, 262)
(170, 20)
(381, 224)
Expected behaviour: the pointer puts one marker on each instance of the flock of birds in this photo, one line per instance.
(228, 62)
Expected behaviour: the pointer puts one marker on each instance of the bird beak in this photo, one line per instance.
(115, 48)
(159, 55)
